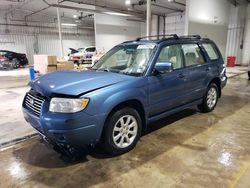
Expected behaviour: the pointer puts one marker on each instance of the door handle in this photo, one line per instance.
(181, 76)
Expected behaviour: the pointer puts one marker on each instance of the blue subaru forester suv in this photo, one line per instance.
(135, 83)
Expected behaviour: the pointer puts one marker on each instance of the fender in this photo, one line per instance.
(123, 96)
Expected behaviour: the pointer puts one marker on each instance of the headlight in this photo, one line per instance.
(67, 105)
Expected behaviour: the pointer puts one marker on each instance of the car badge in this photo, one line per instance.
(32, 102)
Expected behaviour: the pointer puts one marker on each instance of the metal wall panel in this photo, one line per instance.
(49, 44)
(246, 42)
(43, 40)
(175, 24)
(25, 40)
(235, 33)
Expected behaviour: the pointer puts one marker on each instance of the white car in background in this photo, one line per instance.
(83, 54)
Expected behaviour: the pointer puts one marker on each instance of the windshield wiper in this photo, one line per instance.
(109, 70)
(131, 73)
(105, 70)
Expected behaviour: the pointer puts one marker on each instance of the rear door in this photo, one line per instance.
(196, 70)
(214, 59)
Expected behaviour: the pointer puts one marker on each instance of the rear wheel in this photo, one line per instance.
(122, 131)
(210, 99)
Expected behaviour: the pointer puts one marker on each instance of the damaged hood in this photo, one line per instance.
(75, 83)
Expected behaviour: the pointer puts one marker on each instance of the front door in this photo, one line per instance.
(167, 91)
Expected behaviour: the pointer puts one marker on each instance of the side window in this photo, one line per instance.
(171, 54)
(2, 53)
(211, 51)
(192, 54)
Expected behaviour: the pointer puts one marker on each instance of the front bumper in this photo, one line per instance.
(76, 129)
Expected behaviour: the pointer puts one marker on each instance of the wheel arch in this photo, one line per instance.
(217, 81)
(133, 103)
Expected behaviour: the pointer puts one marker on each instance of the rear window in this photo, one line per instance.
(211, 51)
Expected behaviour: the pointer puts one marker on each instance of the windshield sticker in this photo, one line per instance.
(146, 46)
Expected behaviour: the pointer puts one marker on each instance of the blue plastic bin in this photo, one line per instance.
(32, 73)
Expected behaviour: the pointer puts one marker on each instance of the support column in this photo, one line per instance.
(158, 26)
(60, 31)
(148, 17)
(164, 25)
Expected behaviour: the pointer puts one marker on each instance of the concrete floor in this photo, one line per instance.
(188, 149)
(12, 124)
(14, 78)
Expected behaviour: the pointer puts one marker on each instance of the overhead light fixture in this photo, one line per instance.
(75, 16)
(69, 24)
(170, 0)
(127, 2)
(117, 14)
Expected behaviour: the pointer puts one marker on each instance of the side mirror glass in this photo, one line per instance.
(163, 67)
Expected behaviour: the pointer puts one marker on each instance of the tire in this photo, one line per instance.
(118, 137)
(9, 66)
(248, 75)
(16, 63)
(210, 99)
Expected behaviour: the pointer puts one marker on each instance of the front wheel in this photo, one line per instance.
(210, 99)
(16, 63)
(122, 131)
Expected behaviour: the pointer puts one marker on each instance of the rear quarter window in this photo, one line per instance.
(211, 51)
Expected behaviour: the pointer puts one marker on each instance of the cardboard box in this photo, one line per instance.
(41, 62)
(66, 65)
(51, 68)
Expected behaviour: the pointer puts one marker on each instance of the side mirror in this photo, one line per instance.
(163, 67)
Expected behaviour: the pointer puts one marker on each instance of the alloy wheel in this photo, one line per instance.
(125, 131)
(211, 97)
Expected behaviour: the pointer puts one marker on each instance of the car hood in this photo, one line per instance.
(75, 83)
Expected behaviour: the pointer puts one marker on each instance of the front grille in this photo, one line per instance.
(34, 103)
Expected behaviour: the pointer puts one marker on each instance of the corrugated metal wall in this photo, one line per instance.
(235, 33)
(49, 44)
(43, 40)
(175, 23)
(246, 42)
(12, 42)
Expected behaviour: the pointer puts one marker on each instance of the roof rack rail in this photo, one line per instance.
(147, 37)
(191, 36)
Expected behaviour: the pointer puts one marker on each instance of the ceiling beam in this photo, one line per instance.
(102, 8)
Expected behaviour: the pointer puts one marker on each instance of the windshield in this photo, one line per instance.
(127, 59)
